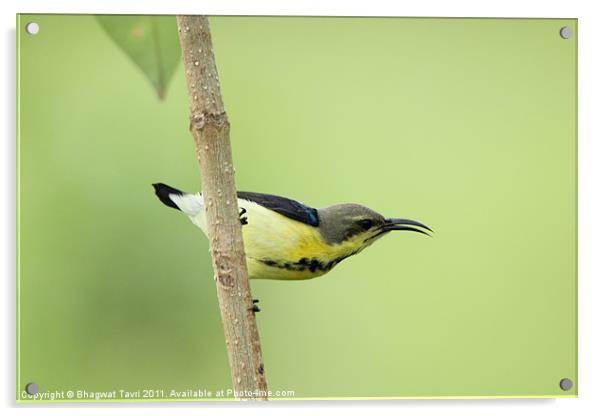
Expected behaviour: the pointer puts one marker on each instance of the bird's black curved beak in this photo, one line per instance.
(392, 224)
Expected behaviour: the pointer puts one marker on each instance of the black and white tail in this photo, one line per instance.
(189, 204)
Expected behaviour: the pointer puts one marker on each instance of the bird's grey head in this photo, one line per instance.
(344, 222)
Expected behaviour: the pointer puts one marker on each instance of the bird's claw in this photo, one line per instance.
(243, 220)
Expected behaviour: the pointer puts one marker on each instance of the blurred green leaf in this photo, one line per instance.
(150, 41)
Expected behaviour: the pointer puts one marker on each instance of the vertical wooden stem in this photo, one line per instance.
(210, 128)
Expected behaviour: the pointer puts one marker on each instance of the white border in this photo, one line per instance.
(590, 200)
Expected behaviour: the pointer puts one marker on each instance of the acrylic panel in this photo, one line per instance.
(467, 125)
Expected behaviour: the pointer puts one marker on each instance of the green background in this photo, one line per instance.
(468, 125)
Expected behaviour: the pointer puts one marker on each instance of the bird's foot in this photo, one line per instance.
(243, 220)
(255, 306)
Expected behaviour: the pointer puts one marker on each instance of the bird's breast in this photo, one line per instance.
(278, 247)
(281, 248)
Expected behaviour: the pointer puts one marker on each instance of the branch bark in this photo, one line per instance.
(210, 129)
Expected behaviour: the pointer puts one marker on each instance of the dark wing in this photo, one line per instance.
(287, 207)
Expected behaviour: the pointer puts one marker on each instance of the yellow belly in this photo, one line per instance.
(278, 247)
(258, 270)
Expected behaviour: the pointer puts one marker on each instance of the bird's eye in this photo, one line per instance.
(366, 224)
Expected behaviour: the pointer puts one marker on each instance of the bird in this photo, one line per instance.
(287, 240)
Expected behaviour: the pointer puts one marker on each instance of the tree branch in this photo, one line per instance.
(210, 128)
